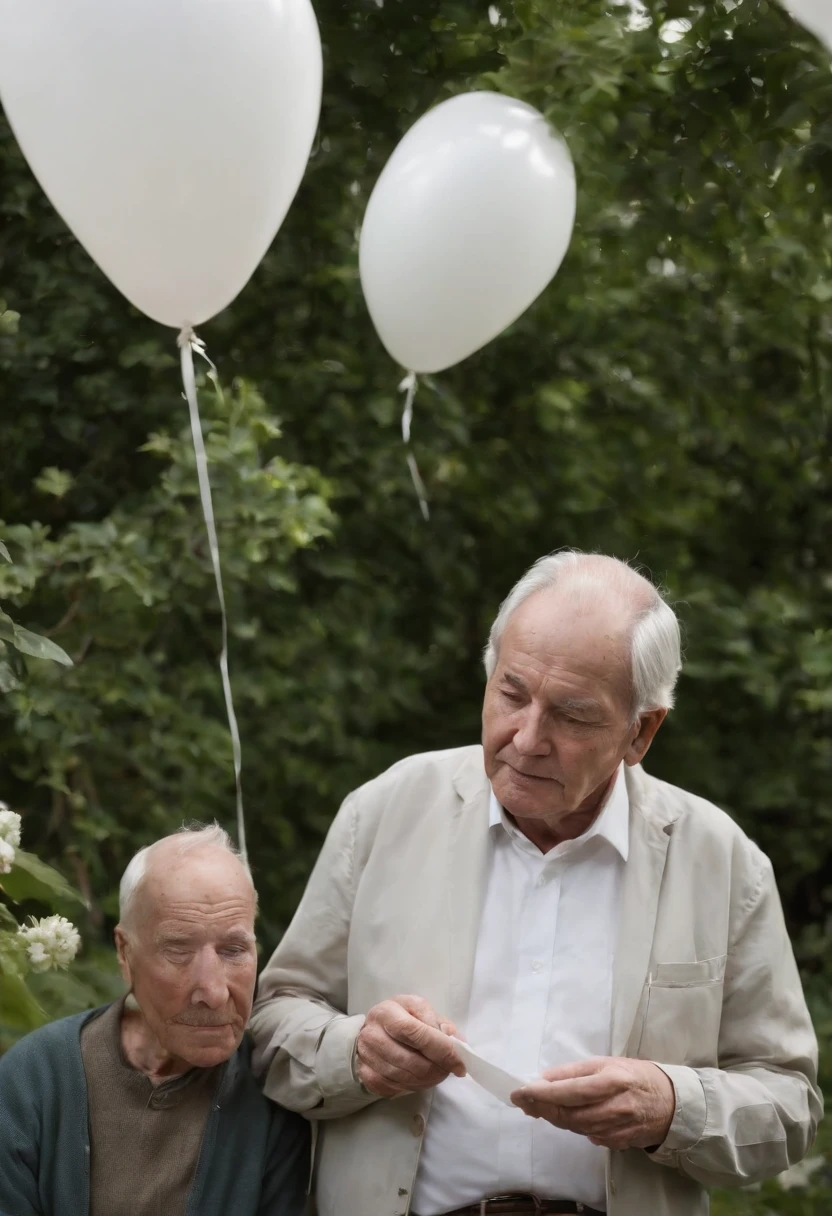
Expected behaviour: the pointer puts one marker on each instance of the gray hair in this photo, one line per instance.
(655, 640)
(190, 838)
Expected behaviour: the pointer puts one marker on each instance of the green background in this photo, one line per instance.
(666, 400)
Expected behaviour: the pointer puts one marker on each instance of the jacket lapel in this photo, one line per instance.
(465, 879)
(651, 826)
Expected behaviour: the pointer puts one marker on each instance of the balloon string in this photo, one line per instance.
(409, 386)
(189, 345)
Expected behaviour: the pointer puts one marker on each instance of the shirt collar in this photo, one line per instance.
(613, 823)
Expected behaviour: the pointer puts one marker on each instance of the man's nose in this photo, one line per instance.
(210, 985)
(531, 738)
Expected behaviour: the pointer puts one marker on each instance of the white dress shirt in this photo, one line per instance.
(541, 996)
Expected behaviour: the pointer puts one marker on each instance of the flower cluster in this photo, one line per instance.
(9, 837)
(50, 943)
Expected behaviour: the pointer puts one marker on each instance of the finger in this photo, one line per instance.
(379, 1085)
(432, 1044)
(405, 1078)
(578, 1068)
(421, 1009)
(393, 1060)
(582, 1091)
(405, 1081)
(603, 1120)
(450, 1029)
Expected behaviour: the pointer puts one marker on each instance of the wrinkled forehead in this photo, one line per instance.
(208, 887)
(574, 632)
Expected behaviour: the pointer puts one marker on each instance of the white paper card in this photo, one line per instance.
(496, 1080)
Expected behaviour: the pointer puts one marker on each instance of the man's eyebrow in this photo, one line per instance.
(239, 935)
(174, 939)
(187, 939)
(572, 705)
(579, 705)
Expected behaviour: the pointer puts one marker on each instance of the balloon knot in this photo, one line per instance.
(186, 336)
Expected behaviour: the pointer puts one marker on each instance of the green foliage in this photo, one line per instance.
(32, 879)
(667, 399)
(14, 640)
(29, 882)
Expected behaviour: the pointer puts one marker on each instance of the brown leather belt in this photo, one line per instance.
(525, 1205)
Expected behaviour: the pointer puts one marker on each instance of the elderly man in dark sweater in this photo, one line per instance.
(148, 1107)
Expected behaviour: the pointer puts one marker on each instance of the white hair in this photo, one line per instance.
(655, 640)
(190, 838)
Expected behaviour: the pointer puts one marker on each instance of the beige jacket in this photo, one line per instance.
(705, 984)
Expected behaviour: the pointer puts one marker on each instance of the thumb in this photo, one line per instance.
(448, 1027)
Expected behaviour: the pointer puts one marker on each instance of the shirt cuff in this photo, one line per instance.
(688, 1124)
(335, 1055)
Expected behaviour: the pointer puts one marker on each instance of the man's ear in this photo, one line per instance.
(648, 724)
(123, 952)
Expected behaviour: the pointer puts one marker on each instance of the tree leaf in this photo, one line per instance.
(7, 628)
(4, 553)
(39, 647)
(31, 878)
(19, 1011)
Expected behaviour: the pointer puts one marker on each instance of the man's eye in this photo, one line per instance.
(514, 697)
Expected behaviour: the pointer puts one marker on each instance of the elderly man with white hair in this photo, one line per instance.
(148, 1106)
(611, 941)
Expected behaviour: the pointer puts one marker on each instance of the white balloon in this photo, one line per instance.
(171, 135)
(468, 222)
(816, 15)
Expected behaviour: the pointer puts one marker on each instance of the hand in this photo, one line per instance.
(404, 1046)
(615, 1103)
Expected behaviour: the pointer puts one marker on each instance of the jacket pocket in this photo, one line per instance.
(683, 1012)
(688, 975)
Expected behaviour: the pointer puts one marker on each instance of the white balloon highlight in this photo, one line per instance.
(171, 135)
(816, 15)
(468, 222)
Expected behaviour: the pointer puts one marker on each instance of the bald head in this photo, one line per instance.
(161, 865)
(187, 952)
(607, 596)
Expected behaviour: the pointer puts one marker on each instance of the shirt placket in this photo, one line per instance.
(537, 929)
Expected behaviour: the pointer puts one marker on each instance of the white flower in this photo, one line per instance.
(38, 958)
(50, 943)
(6, 856)
(9, 826)
(800, 1175)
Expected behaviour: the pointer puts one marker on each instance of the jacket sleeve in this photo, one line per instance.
(757, 1113)
(304, 1041)
(286, 1178)
(19, 1136)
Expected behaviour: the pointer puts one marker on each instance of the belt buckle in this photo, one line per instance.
(521, 1198)
(486, 1203)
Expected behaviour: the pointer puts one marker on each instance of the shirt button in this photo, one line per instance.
(537, 967)
(541, 882)
(417, 1125)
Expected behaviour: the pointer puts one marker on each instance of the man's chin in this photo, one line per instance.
(206, 1046)
(527, 796)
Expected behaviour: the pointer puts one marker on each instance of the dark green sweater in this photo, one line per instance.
(254, 1158)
